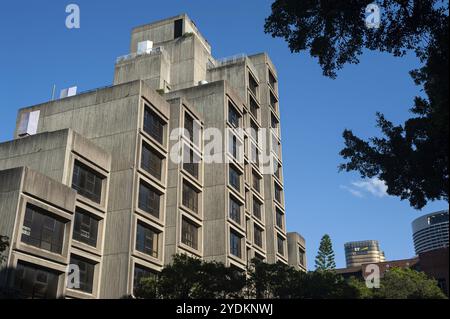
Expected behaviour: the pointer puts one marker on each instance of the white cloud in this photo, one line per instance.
(352, 191)
(374, 186)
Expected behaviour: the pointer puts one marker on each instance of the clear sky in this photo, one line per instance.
(37, 51)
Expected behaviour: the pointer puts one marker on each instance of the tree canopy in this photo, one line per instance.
(325, 255)
(412, 158)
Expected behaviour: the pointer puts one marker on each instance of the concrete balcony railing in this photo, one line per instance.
(154, 51)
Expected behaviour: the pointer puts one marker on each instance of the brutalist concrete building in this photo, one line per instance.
(117, 180)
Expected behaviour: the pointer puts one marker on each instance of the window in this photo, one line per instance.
(279, 218)
(253, 107)
(146, 240)
(276, 146)
(258, 236)
(235, 244)
(42, 231)
(254, 154)
(235, 210)
(87, 269)
(253, 84)
(280, 244)
(277, 192)
(189, 125)
(233, 115)
(272, 80)
(87, 182)
(301, 257)
(178, 28)
(235, 177)
(190, 197)
(191, 162)
(256, 182)
(256, 208)
(139, 274)
(275, 124)
(233, 146)
(273, 102)
(277, 169)
(35, 282)
(85, 228)
(151, 161)
(149, 199)
(254, 130)
(189, 233)
(153, 125)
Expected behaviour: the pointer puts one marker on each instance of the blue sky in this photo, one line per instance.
(37, 51)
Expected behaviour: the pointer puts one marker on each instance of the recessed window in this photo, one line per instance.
(273, 102)
(190, 197)
(153, 125)
(85, 228)
(235, 178)
(278, 193)
(189, 233)
(233, 115)
(191, 162)
(301, 257)
(235, 147)
(192, 129)
(280, 245)
(42, 231)
(253, 84)
(277, 169)
(258, 236)
(35, 282)
(146, 240)
(253, 107)
(140, 273)
(235, 210)
(254, 154)
(257, 208)
(178, 28)
(87, 269)
(256, 182)
(274, 123)
(149, 199)
(272, 80)
(235, 244)
(279, 218)
(87, 182)
(151, 161)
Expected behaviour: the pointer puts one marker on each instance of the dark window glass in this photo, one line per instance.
(256, 182)
(254, 107)
(274, 122)
(149, 199)
(189, 234)
(256, 208)
(233, 115)
(87, 182)
(280, 244)
(258, 234)
(146, 240)
(191, 163)
(277, 193)
(234, 146)
(254, 129)
(42, 231)
(151, 161)
(253, 85)
(35, 282)
(235, 210)
(139, 274)
(235, 244)
(272, 80)
(85, 228)
(189, 126)
(190, 197)
(153, 125)
(235, 179)
(279, 218)
(277, 169)
(273, 101)
(87, 269)
(301, 256)
(254, 154)
(178, 28)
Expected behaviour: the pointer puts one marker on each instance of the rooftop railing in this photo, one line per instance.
(154, 51)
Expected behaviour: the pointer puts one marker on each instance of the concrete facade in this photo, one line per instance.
(166, 102)
(297, 251)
